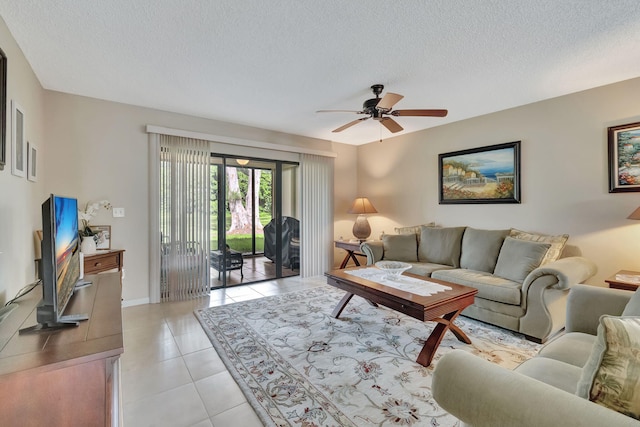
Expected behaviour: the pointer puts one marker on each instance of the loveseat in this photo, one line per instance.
(522, 280)
(595, 360)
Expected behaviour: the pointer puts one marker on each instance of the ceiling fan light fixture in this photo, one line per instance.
(242, 162)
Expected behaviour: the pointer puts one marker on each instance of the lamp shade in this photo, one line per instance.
(362, 205)
(635, 214)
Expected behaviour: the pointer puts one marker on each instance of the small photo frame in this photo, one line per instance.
(18, 141)
(102, 236)
(624, 158)
(32, 162)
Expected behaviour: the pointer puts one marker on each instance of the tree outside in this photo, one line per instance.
(238, 220)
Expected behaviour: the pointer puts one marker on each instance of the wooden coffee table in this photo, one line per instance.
(442, 307)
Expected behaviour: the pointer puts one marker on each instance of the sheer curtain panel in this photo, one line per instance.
(180, 210)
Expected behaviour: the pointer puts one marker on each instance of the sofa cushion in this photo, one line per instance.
(489, 286)
(573, 348)
(633, 306)
(426, 268)
(556, 243)
(480, 248)
(400, 247)
(611, 376)
(553, 372)
(441, 245)
(518, 258)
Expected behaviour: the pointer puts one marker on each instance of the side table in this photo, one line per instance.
(628, 280)
(352, 248)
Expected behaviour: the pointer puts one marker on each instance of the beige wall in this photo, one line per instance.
(19, 199)
(564, 174)
(98, 150)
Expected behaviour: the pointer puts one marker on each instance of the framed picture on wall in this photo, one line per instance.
(3, 110)
(488, 174)
(32, 162)
(624, 158)
(102, 236)
(18, 141)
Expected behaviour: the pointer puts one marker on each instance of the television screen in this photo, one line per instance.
(66, 249)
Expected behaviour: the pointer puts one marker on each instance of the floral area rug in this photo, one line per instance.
(298, 366)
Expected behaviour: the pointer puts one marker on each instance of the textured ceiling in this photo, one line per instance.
(272, 64)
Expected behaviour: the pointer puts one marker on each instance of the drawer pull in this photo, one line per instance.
(97, 264)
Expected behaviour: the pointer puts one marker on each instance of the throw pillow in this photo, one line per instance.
(400, 247)
(518, 258)
(480, 248)
(441, 245)
(611, 376)
(414, 229)
(633, 306)
(556, 243)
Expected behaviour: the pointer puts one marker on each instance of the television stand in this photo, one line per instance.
(72, 375)
(64, 322)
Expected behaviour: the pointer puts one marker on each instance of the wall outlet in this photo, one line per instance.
(118, 212)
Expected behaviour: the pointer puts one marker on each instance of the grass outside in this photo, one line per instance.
(242, 242)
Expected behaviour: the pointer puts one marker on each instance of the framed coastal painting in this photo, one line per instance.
(489, 174)
(102, 236)
(624, 158)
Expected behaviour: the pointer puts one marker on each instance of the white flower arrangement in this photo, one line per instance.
(90, 210)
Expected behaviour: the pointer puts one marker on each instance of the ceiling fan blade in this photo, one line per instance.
(339, 111)
(391, 124)
(348, 125)
(422, 113)
(388, 101)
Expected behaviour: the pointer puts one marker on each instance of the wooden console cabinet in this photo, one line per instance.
(70, 377)
(104, 261)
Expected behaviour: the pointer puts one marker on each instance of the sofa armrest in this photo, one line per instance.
(567, 271)
(545, 292)
(483, 394)
(587, 303)
(373, 250)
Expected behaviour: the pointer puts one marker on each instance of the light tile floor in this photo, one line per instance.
(172, 376)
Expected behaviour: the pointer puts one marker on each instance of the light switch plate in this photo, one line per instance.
(118, 212)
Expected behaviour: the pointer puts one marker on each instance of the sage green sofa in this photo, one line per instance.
(595, 360)
(522, 280)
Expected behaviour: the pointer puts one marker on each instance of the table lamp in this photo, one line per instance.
(361, 228)
(635, 214)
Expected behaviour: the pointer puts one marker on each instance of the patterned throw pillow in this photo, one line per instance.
(414, 229)
(557, 243)
(611, 376)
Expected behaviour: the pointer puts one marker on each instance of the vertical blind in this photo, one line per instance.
(182, 208)
(316, 227)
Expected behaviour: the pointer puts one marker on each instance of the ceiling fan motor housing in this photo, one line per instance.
(369, 107)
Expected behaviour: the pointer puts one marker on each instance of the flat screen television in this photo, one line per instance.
(60, 264)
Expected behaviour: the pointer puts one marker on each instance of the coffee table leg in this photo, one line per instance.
(446, 322)
(341, 305)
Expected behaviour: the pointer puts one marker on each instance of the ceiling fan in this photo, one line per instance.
(379, 108)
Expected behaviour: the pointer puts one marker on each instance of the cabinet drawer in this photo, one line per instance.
(102, 262)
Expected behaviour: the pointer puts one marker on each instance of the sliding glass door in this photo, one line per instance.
(254, 221)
